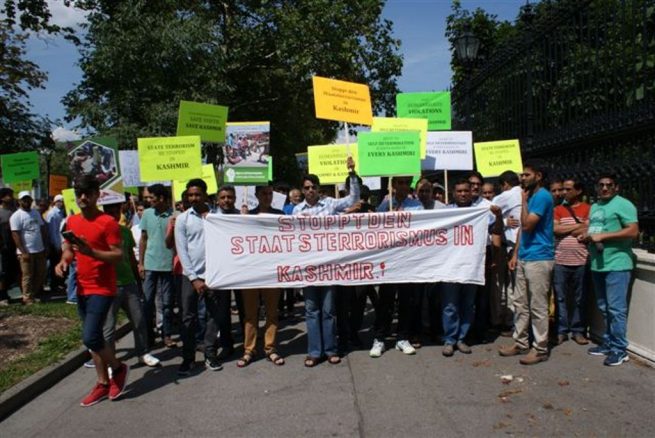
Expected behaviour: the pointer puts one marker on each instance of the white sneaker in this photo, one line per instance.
(405, 347)
(149, 360)
(377, 349)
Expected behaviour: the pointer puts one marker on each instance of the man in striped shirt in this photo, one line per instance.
(570, 220)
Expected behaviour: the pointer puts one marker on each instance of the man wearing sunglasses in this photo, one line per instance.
(319, 301)
(612, 227)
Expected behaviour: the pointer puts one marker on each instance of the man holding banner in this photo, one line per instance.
(190, 246)
(408, 293)
(320, 301)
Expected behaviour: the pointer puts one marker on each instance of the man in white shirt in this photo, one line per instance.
(29, 233)
(509, 201)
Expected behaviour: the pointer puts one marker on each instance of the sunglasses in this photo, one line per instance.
(310, 187)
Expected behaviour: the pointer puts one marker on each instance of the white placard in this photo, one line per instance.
(449, 150)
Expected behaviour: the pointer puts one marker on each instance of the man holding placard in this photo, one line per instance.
(319, 301)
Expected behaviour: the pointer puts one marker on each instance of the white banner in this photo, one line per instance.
(268, 251)
(449, 150)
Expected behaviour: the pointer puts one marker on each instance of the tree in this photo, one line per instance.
(140, 58)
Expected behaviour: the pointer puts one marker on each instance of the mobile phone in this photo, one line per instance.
(71, 237)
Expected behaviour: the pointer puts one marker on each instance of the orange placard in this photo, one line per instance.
(57, 184)
(342, 101)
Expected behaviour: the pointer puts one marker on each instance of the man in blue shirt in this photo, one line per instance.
(53, 218)
(536, 259)
(190, 246)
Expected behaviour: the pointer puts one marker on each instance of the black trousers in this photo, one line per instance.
(351, 304)
(217, 303)
(408, 309)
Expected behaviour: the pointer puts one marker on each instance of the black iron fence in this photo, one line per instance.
(577, 87)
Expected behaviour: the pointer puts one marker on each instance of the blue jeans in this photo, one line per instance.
(93, 310)
(162, 282)
(569, 280)
(612, 301)
(458, 310)
(321, 323)
(71, 287)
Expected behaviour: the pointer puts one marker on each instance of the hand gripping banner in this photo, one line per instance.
(269, 251)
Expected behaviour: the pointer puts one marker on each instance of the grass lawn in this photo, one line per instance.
(48, 350)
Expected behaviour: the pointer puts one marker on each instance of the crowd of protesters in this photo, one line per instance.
(549, 251)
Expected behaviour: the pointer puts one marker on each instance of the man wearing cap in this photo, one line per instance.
(30, 235)
(54, 218)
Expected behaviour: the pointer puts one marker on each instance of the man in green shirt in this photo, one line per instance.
(612, 227)
(156, 262)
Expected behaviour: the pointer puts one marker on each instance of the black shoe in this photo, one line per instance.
(186, 367)
(212, 363)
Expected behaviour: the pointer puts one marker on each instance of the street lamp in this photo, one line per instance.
(466, 49)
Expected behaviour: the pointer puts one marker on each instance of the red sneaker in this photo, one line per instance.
(97, 394)
(118, 382)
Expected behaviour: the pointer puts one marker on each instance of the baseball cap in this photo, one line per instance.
(59, 198)
(23, 194)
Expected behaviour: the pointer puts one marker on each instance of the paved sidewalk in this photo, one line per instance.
(424, 395)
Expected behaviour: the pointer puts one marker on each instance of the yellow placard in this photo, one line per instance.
(19, 186)
(392, 124)
(342, 101)
(329, 162)
(70, 205)
(169, 158)
(208, 176)
(494, 157)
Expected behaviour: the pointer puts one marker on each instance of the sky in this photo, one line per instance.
(419, 24)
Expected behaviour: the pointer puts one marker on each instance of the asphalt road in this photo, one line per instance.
(572, 394)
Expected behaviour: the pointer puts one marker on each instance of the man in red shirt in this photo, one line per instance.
(571, 219)
(93, 239)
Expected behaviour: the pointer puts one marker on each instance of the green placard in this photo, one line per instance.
(389, 153)
(245, 175)
(270, 168)
(21, 166)
(207, 121)
(432, 106)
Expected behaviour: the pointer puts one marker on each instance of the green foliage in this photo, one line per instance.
(20, 129)
(140, 58)
(583, 59)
